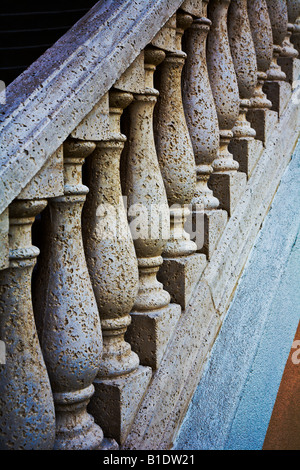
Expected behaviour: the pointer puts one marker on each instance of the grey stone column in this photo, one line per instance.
(121, 382)
(294, 19)
(289, 58)
(226, 181)
(260, 115)
(27, 420)
(245, 149)
(202, 121)
(276, 87)
(71, 336)
(181, 267)
(153, 317)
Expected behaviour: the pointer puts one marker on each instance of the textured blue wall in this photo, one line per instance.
(233, 403)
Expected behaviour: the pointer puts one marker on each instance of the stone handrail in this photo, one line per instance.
(169, 106)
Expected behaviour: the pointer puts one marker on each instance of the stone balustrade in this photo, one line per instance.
(126, 183)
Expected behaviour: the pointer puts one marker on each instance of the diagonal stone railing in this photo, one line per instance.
(139, 157)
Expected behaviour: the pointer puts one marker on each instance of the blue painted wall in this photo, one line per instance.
(233, 402)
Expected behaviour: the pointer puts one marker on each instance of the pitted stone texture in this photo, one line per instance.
(279, 93)
(108, 244)
(291, 67)
(116, 401)
(263, 121)
(166, 37)
(150, 333)
(193, 7)
(228, 188)
(261, 28)
(49, 181)
(174, 147)
(214, 224)
(95, 125)
(180, 276)
(133, 79)
(27, 418)
(71, 337)
(200, 111)
(246, 152)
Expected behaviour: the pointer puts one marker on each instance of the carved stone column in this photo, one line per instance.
(276, 87)
(245, 149)
(288, 60)
(181, 267)
(153, 317)
(294, 19)
(226, 182)
(121, 382)
(202, 121)
(27, 419)
(262, 118)
(71, 336)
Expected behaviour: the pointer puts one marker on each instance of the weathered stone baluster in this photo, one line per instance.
(294, 18)
(202, 121)
(260, 115)
(288, 58)
(226, 182)
(276, 87)
(27, 419)
(121, 382)
(181, 267)
(243, 146)
(153, 317)
(71, 336)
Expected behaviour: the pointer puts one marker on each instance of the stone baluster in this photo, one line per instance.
(244, 148)
(181, 267)
(202, 121)
(153, 317)
(27, 419)
(260, 115)
(276, 87)
(294, 19)
(226, 181)
(70, 332)
(121, 382)
(288, 60)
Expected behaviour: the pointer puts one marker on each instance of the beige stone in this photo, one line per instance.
(116, 401)
(95, 126)
(263, 121)
(181, 275)
(150, 332)
(279, 93)
(246, 152)
(166, 37)
(49, 181)
(228, 188)
(291, 67)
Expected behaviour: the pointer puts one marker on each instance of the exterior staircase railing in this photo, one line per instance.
(139, 154)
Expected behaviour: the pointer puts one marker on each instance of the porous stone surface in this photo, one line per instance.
(149, 333)
(180, 276)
